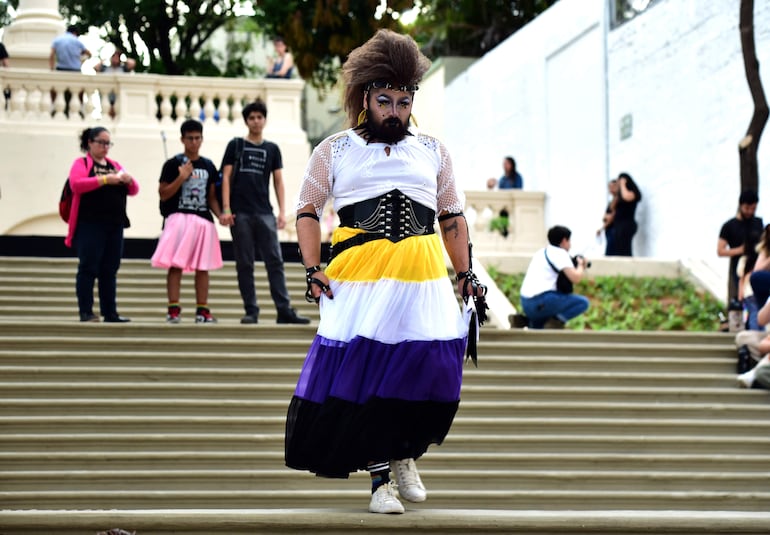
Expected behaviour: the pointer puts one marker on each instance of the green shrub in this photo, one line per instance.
(634, 303)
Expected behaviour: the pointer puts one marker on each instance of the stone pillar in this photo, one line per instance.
(28, 38)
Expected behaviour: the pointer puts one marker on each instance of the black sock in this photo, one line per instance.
(380, 473)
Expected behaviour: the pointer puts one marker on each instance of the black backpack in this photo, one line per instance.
(65, 201)
(236, 165)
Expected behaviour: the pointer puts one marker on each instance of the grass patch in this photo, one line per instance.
(633, 303)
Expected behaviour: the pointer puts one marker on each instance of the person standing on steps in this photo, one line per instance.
(189, 241)
(381, 381)
(98, 216)
(734, 234)
(246, 168)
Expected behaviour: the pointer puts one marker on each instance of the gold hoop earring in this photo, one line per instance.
(362, 117)
(413, 119)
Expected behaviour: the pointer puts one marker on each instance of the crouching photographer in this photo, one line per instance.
(547, 297)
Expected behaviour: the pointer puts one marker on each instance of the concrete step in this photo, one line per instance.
(248, 521)
(436, 459)
(480, 480)
(456, 442)
(188, 420)
(227, 357)
(631, 427)
(213, 373)
(94, 406)
(345, 496)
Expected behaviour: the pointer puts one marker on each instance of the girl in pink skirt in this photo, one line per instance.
(189, 241)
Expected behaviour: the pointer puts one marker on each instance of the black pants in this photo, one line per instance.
(100, 249)
(623, 235)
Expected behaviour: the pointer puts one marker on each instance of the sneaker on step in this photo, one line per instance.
(746, 380)
(203, 315)
(410, 485)
(384, 500)
(290, 316)
(174, 315)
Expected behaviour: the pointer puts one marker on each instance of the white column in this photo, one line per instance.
(28, 38)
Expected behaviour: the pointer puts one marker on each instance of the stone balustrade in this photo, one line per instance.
(525, 229)
(143, 98)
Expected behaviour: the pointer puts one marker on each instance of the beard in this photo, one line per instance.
(390, 130)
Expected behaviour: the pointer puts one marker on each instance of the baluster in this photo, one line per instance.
(46, 104)
(34, 103)
(18, 102)
(225, 110)
(76, 106)
(208, 109)
(59, 104)
(89, 107)
(195, 107)
(165, 109)
(104, 100)
(236, 109)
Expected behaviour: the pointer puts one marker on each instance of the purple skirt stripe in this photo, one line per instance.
(363, 369)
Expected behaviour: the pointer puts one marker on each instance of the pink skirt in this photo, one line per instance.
(188, 242)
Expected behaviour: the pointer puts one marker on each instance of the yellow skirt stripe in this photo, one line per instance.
(413, 259)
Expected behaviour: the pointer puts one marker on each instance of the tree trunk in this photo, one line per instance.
(747, 148)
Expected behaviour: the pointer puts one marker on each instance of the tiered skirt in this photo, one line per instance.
(382, 377)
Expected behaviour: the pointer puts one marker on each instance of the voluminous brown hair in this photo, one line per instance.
(389, 57)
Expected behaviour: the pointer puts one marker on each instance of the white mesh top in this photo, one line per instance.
(344, 167)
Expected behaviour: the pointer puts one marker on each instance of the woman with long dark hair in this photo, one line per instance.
(623, 223)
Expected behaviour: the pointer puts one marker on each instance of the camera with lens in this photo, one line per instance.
(576, 258)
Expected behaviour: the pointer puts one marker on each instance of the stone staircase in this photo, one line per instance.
(179, 428)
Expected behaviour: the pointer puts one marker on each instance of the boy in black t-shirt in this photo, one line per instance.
(189, 241)
(246, 168)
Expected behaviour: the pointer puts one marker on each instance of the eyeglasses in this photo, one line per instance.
(379, 84)
(103, 143)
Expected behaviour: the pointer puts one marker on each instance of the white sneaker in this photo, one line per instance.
(746, 379)
(384, 500)
(410, 485)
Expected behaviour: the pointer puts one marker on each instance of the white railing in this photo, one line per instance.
(135, 98)
(524, 230)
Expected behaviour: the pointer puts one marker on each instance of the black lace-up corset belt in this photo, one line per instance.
(392, 216)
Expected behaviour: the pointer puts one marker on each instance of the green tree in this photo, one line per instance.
(471, 27)
(5, 16)
(322, 34)
(173, 31)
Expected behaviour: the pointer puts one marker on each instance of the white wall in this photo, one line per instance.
(678, 71)
(539, 97)
(554, 94)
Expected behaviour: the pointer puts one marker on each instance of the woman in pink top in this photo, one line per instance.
(100, 187)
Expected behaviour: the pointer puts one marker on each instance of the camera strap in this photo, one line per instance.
(545, 251)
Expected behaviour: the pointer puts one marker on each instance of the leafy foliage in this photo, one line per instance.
(320, 35)
(173, 31)
(471, 27)
(5, 16)
(634, 303)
